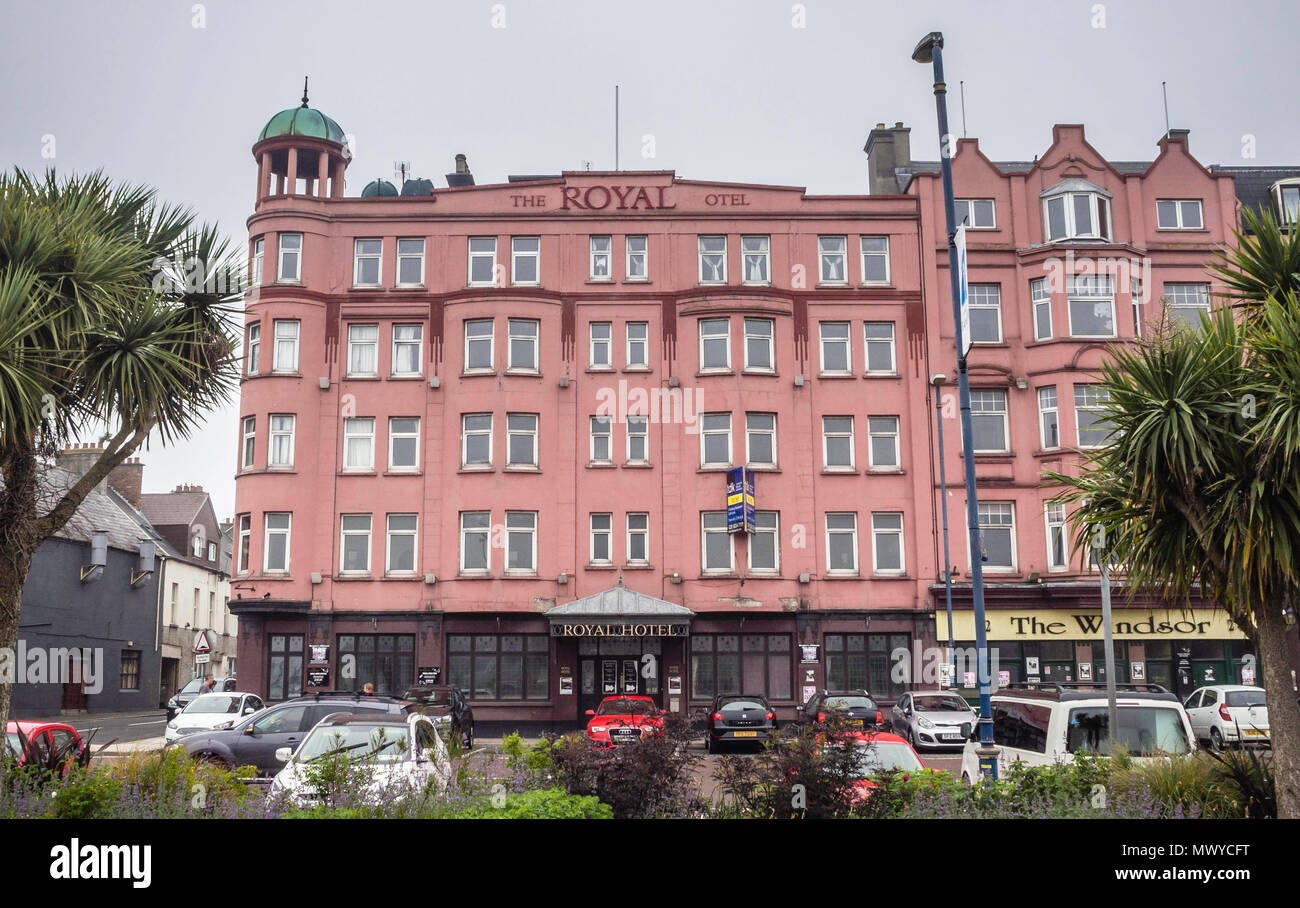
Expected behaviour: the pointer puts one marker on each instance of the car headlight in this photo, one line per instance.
(924, 722)
(596, 728)
(172, 724)
(223, 725)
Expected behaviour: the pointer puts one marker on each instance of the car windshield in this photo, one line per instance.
(214, 703)
(1142, 730)
(742, 703)
(850, 703)
(1245, 698)
(193, 686)
(626, 707)
(13, 742)
(386, 743)
(946, 703)
(885, 756)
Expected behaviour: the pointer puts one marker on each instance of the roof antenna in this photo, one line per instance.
(1165, 91)
(962, 85)
(304, 91)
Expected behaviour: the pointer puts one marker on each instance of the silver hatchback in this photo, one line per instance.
(929, 718)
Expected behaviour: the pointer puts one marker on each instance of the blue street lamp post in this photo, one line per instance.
(937, 380)
(930, 50)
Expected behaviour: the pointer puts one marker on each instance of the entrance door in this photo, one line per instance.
(607, 675)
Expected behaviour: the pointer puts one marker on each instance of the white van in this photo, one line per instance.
(1044, 723)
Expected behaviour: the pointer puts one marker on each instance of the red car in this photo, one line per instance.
(52, 744)
(880, 752)
(624, 719)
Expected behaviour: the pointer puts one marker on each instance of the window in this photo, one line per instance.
(363, 349)
(985, 313)
(601, 449)
(716, 552)
(638, 345)
(833, 259)
(245, 543)
(401, 543)
(408, 344)
(976, 214)
(758, 345)
(875, 259)
(1186, 303)
(1288, 201)
(764, 542)
(837, 442)
(280, 451)
(410, 262)
(638, 431)
(194, 612)
(286, 346)
(284, 680)
(521, 541)
(476, 440)
(500, 667)
(275, 547)
(989, 421)
(478, 345)
(525, 252)
(1022, 726)
(836, 359)
(601, 247)
(1092, 305)
(483, 261)
(998, 535)
(723, 664)
(866, 662)
(385, 660)
(1077, 215)
(521, 439)
(523, 334)
(883, 447)
(842, 543)
(1048, 419)
(638, 258)
(638, 538)
(250, 440)
(1179, 214)
(254, 355)
(404, 443)
(366, 258)
(1058, 556)
(1041, 295)
(130, 676)
(475, 527)
(354, 549)
(713, 259)
(290, 257)
(259, 256)
(359, 443)
(715, 344)
(602, 533)
(1135, 298)
(715, 440)
(754, 253)
(601, 335)
(887, 543)
(880, 348)
(1090, 418)
(175, 603)
(760, 439)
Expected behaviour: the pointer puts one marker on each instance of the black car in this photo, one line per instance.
(254, 740)
(855, 708)
(448, 707)
(186, 694)
(738, 719)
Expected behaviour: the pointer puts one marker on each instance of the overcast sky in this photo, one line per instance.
(173, 93)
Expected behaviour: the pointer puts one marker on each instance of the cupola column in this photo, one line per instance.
(263, 170)
(293, 171)
(323, 176)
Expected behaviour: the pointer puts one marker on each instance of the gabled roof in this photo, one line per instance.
(172, 508)
(620, 602)
(105, 512)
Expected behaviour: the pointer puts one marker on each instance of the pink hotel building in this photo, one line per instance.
(486, 429)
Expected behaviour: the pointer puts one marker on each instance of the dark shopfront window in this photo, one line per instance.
(741, 664)
(866, 661)
(385, 660)
(500, 666)
(285, 669)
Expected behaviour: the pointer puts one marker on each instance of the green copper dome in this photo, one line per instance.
(302, 121)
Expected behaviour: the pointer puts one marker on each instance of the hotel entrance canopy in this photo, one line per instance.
(619, 612)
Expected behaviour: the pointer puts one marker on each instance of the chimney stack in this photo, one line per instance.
(1182, 134)
(888, 150)
(127, 479)
(462, 176)
(79, 458)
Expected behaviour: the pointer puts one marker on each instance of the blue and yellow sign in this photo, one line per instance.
(740, 500)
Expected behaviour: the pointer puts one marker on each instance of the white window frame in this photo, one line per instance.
(518, 256)
(706, 532)
(639, 531)
(822, 341)
(596, 254)
(768, 339)
(644, 434)
(705, 463)
(243, 550)
(1180, 221)
(1053, 522)
(490, 337)
(531, 433)
(344, 533)
(1281, 191)
(518, 329)
(607, 434)
(1004, 413)
(1040, 295)
(1187, 295)
(277, 361)
(894, 435)
(398, 344)
(466, 432)
(1048, 406)
(253, 349)
(826, 255)
(267, 531)
(758, 249)
(351, 425)
(750, 432)
(530, 527)
(986, 297)
(634, 254)
(851, 466)
(702, 252)
(761, 517)
(248, 443)
(593, 532)
(273, 434)
(608, 341)
(486, 532)
(407, 256)
(1096, 203)
(1098, 406)
(838, 531)
(1080, 289)
(281, 252)
(393, 435)
(877, 531)
(985, 510)
(1135, 300)
(882, 254)
(489, 254)
(970, 207)
(633, 342)
(390, 533)
(368, 255)
(355, 345)
(868, 340)
(714, 336)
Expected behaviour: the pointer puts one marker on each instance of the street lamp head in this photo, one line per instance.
(938, 378)
(924, 52)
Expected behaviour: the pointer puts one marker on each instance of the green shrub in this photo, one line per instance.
(86, 795)
(543, 804)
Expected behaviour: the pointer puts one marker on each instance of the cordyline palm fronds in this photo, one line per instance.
(103, 325)
(1264, 263)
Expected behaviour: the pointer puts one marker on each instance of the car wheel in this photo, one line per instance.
(1216, 740)
(708, 744)
(914, 739)
(212, 760)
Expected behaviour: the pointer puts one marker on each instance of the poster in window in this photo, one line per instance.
(1247, 672)
(1085, 671)
(1031, 665)
(808, 692)
(429, 674)
(674, 684)
(1004, 678)
(808, 653)
(630, 674)
(320, 652)
(1138, 671)
(318, 677)
(609, 676)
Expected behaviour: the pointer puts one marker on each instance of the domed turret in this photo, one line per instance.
(378, 188)
(301, 152)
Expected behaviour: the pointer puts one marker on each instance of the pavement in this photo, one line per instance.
(125, 732)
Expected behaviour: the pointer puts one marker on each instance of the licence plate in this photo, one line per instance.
(744, 734)
(1254, 732)
(952, 736)
(855, 721)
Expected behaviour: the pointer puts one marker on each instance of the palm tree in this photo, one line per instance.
(1198, 489)
(114, 317)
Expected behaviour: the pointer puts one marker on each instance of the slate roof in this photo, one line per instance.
(100, 511)
(619, 602)
(1254, 184)
(172, 508)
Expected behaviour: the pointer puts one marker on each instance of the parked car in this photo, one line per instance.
(402, 752)
(739, 719)
(54, 745)
(881, 752)
(624, 719)
(448, 708)
(212, 712)
(1042, 724)
(1226, 714)
(182, 697)
(855, 708)
(253, 741)
(928, 718)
